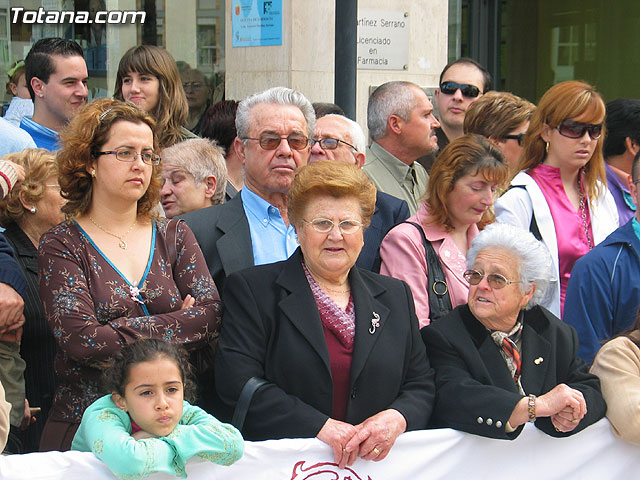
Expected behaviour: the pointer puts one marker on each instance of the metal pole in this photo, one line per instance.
(346, 56)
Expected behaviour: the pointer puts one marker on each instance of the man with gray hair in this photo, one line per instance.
(401, 124)
(340, 139)
(194, 176)
(274, 129)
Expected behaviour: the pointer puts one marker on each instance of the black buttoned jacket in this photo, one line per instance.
(475, 391)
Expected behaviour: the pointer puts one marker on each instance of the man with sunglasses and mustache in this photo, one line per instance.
(274, 129)
(462, 82)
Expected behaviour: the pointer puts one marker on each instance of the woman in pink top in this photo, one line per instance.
(461, 191)
(561, 192)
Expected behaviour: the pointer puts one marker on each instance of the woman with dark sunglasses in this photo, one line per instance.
(501, 360)
(560, 194)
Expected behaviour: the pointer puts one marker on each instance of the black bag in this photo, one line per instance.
(438, 291)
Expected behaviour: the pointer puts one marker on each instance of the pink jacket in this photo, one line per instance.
(403, 257)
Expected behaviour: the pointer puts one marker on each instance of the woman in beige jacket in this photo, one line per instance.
(617, 364)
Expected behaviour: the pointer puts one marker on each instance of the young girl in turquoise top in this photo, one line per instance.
(145, 426)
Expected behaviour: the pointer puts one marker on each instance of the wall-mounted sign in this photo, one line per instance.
(383, 40)
(256, 23)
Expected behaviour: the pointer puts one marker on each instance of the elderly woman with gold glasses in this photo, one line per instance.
(502, 360)
(338, 347)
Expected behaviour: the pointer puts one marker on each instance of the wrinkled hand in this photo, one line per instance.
(11, 306)
(337, 434)
(565, 405)
(141, 434)
(377, 434)
(188, 302)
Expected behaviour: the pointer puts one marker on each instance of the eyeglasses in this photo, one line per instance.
(495, 280)
(271, 141)
(330, 143)
(469, 91)
(193, 85)
(127, 155)
(517, 137)
(572, 129)
(324, 225)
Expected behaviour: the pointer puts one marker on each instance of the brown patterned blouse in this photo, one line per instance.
(93, 310)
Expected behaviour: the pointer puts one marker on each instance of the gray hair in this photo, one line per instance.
(200, 157)
(278, 95)
(391, 98)
(354, 132)
(534, 261)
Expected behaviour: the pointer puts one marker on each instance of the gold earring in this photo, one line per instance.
(546, 147)
(93, 173)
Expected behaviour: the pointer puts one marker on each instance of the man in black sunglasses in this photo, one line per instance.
(461, 83)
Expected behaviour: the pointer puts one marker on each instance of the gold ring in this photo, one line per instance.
(376, 451)
(575, 420)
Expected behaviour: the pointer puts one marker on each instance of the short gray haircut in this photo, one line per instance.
(534, 261)
(200, 157)
(391, 98)
(279, 95)
(354, 132)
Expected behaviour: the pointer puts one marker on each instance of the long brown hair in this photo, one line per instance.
(171, 111)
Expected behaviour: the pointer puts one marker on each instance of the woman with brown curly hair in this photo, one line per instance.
(462, 188)
(32, 208)
(113, 273)
(148, 76)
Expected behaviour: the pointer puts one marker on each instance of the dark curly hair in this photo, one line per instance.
(82, 138)
(116, 376)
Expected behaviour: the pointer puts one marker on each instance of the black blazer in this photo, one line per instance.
(272, 330)
(222, 231)
(389, 212)
(475, 391)
(38, 347)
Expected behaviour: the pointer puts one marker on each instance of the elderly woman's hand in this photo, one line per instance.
(377, 434)
(337, 434)
(565, 405)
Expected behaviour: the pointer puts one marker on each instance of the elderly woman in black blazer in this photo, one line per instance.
(338, 346)
(502, 360)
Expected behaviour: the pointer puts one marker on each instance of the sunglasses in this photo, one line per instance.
(469, 91)
(519, 137)
(495, 280)
(271, 141)
(571, 129)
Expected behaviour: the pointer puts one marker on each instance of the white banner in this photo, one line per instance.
(433, 454)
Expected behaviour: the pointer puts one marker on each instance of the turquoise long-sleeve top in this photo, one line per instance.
(105, 430)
